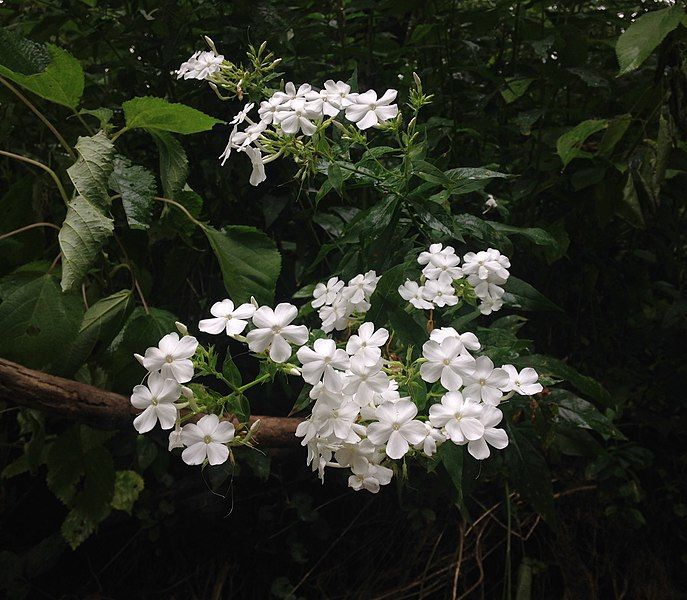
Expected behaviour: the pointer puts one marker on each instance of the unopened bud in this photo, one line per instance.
(254, 302)
(262, 47)
(186, 392)
(209, 42)
(139, 358)
(181, 328)
(275, 63)
(254, 427)
(417, 80)
(411, 125)
(294, 371)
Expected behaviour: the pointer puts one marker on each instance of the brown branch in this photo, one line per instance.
(79, 401)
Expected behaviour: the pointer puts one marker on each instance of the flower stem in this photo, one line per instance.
(183, 209)
(27, 227)
(259, 380)
(40, 165)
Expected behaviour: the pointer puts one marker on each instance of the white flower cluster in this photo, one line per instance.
(299, 110)
(337, 302)
(486, 271)
(202, 65)
(359, 419)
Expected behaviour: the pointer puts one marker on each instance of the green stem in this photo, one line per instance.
(41, 116)
(183, 209)
(47, 169)
(27, 227)
(120, 132)
(259, 380)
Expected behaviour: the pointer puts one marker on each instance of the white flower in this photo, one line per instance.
(297, 117)
(367, 110)
(489, 264)
(444, 268)
(245, 138)
(367, 343)
(207, 439)
(338, 97)
(175, 439)
(397, 428)
(469, 340)
(337, 420)
(524, 383)
(268, 109)
(415, 294)
(497, 438)
(434, 437)
(157, 402)
(322, 360)
(227, 318)
(485, 382)
(360, 289)
(325, 294)
(364, 380)
(489, 203)
(435, 251)
(290, 93)
(242, 114)
(446, 362)
(441, 294)
(459, 416)
(490, 305)
(335, 316)
(274, 331)
(257, 175)
(370, 478)
(172, 357)
(357, 455)
(200, 66)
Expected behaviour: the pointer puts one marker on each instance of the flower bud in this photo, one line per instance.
(418, 83)
(254, 302)
(139, 358)
(254, 427)
(175, 438)
(186, 392)
(209, 42)
(183, 330)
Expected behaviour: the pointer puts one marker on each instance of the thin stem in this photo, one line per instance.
(258, 381)
(41, 116)
(27, 227)
(86, 126)
(182, 208)
(120, 132)
(47, 169)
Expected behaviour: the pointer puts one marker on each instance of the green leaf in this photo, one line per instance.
(137, 186)
(515, 87)
(83, 233)
(451, 457)
(336, 178)
(642, 37)
(249, 260)
(630, 208)
(539, 236)
(156, 113)
(61, 82)
(615, 132)
(21, 55)
(521, 294)
(106, 310)
(173, 163)
(568, 145)
(104, 115)
(529, 473)
(127, 488)
(231, 371)
(91, 171)
(36, 320)
(573, 409)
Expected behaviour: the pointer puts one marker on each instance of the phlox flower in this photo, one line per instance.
(370, 478)
(435, 251)
(415, 294)
(364, 380)
(227, 318)
(498, 438)
(367, 110)
(257, 175)
(172, 357)
(326, 293)
(156, 400)
(360, 289)
(207, 439)
(397, 428)
(444, 268)
(201, 65)
(459, 416)
(321, 360)
(242, 114)
(446, 362)
(433, 438)
(524, 383)
(485, 382)
(274, 331)
(290, 93)
(367, 342)
(268, 109)
(489, 264)
(297, 117)
(469, 340)
(335, 316)
(440, 293)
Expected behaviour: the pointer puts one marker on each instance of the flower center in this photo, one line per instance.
(373, 107)
(458, 416)
(207, 439)
(445, 361)
(395, 427)
(169, 358)
(482, 382)
(154, 401)
(276, 329)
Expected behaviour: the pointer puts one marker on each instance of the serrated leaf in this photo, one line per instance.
(249, 260)
(91, 171)
(127, 488)
(76, 528)
(642, 37)
(36, 319)
(21, 55)
(148, 112)
(137, 186)
(105, 310)
(61, 82)
(83, 233)
(568, 145)
(173, 163)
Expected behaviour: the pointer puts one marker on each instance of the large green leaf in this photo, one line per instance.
(91, 171)
(641, 38)
(577, 411)
(38, 323)
(173, 163)
(21, 55)
(539, 236)
(137, 186)
(521, 294)
(148, 112)
(83, 233)
(568, 145)
(249, 260)
(61, 82)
